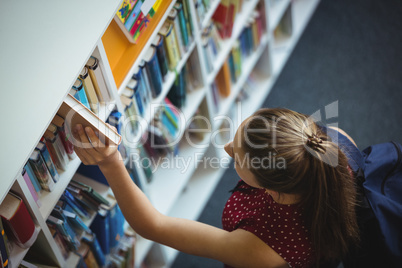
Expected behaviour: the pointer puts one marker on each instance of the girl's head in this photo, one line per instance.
(286, 152)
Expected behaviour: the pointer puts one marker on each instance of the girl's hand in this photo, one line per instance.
(93, 151)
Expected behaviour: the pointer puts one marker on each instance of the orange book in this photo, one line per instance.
(223, 80)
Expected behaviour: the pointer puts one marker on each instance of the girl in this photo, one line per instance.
(299, 213)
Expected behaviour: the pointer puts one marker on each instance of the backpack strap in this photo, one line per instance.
(354, 155)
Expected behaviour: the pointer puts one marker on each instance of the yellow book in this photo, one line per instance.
(89, 90)
(170, 44)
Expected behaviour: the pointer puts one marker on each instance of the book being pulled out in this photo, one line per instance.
(74, 112)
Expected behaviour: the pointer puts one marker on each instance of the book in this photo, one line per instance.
(56, 147)
(41, 172)
(223, 80)
(4, 252)
(58, 121)
(100, 226)
(98, 79)
(69, 236)
(221, 17)
(161, 54)
(92, 241)
(171, 45)
(48, 161)
(125, 9)
(78, 92)
(90, 192)
(174, 20)
(141, 90)
(89, 90)
(31, 187)
(130, 111)
(86, 253)
(153, 70)
(17, 221)
(182, 21)
(133, 16)
(123, 14)
(75, 113)
(187, 18)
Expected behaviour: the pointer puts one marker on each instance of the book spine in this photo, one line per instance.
(153, 71)
(136, 25)
(42, 173)
(174, 20)
(80, 94)
(90, 91)
(188, 20)
(49, 163)
(162, 58)
(172, 48)
(31, 188)
(33, 178)
(98, 81)
(182, 22)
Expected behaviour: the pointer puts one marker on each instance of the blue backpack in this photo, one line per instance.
(380, 177)
(378, 171)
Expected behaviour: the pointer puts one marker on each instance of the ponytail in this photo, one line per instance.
(316, 170)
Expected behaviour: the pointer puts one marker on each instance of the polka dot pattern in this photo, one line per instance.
(279, 226)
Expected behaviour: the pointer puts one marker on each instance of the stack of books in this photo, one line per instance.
(68, 223)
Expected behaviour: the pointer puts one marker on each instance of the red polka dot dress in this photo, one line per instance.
(279, 226)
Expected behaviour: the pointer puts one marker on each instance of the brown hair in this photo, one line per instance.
(316, 170)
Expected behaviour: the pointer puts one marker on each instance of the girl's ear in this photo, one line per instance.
(229, 149)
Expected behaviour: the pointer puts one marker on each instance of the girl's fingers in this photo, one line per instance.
(85, 157)
(96, 143)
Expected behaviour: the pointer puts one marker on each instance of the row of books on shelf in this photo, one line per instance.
(52, 155)
(90, 87)
(137, 96)
(254, 28)
(247, 43)
(83, 222)
(133, 17)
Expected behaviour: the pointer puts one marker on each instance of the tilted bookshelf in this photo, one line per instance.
(39, 66)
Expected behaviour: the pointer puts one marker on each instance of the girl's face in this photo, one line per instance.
(234, 149)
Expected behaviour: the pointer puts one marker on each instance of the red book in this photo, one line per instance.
(220, 17)
(17, 221)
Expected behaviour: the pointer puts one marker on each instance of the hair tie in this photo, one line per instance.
(315, 143)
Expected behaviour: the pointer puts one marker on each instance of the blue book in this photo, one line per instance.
(92, 172)
(100, 227)
(33, 178)
(48, 161)
(70, 200)
(92, 241)
(78, 92)
(76, 221)
(166, 122)
(154, 72)
(116, 223)
(161, 54)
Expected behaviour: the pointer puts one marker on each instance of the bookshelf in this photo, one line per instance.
(39, 66)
